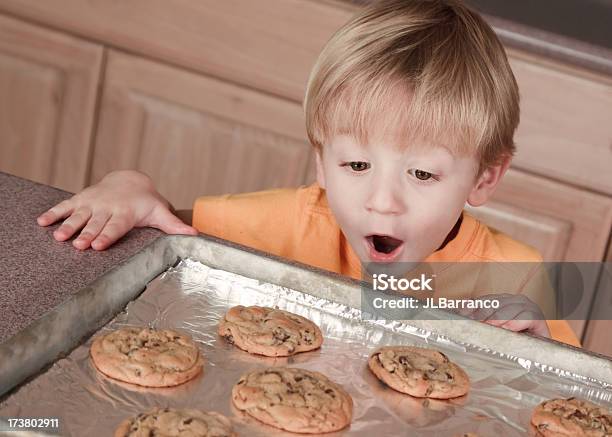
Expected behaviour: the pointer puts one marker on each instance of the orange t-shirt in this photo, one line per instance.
(297, 224)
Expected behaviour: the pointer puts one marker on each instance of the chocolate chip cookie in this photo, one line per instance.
(268, 331)
(147, 357)
(571, 417)
(419, 372)
(167, 422)
(295, 400)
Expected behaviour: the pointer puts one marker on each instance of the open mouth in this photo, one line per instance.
(384, 244)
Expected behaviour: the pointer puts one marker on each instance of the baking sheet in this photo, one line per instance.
(192, 297)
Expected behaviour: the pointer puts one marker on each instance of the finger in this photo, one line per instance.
(540, 327)
(72, 224)
(58, 212)
(91, 230)
(482, 313)
(171, 224)
(537, 327)
(511, 325)
(508, 312)
(116, 227)
(526, 322)
(534, 325)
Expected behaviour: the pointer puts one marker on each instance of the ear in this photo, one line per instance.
(487, 182)
(320, 172)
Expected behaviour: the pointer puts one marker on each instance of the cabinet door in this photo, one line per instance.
(195, 135)
(565, 131)
(576, 221)
(48, 84)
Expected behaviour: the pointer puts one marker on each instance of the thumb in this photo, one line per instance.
(165, 221)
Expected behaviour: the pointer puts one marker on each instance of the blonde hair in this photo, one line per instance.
(416, 69)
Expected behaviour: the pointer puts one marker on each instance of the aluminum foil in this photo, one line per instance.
(192, 297)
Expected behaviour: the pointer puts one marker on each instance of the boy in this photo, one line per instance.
(412, 109)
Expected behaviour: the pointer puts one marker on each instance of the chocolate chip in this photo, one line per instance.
(329, 391)
(579, 414)
(187, 421)
(280, 335)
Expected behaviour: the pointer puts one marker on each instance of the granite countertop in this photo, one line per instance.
(38, 273)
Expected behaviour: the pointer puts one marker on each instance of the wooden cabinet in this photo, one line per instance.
(48, 84)
(565, 131)
(266, 44)
(195, 135)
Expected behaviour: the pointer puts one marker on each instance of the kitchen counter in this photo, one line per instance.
(39, 273)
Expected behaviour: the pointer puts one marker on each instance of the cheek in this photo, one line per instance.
(437, 212)
(343, 207)
(344, 200)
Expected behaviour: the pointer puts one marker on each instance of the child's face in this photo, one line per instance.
(395, 205)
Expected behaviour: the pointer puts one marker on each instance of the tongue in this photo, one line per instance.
(385, 244)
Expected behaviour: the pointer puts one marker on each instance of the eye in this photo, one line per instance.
(422, 175)
(357, 166)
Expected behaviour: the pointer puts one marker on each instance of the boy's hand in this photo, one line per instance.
(516, 313)
(108, 210)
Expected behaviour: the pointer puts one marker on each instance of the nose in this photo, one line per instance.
(384, 198)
